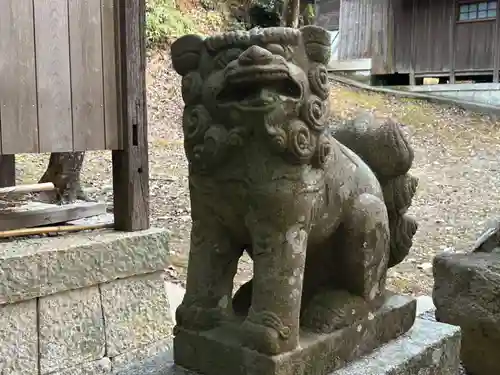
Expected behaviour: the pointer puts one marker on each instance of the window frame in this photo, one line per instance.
(460, 3)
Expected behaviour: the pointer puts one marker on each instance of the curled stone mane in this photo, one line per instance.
(294, 129)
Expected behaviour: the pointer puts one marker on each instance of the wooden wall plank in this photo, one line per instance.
(19, 131)
(113, 133)
(130, 165)
(53, 74)
(86, 74)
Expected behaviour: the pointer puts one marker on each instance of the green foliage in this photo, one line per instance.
(165, 21)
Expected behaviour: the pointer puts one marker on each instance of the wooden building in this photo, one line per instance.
(407, 40)
(72, 78)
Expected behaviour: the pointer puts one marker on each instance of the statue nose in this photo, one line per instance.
(255, 55)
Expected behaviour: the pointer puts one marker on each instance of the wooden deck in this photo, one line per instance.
(58, 79)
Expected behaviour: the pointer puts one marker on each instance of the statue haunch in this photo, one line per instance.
(267, 175)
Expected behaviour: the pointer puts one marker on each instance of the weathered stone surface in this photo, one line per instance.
(467, 294)
(71, 329)
(100, 367)
(218, 352)
(320, 209)
(18, 339)
(142, 360)
(429, 348)
(44, 266)
(136, 312)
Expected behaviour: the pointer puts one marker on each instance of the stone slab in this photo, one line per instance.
(39, 267)
(136, 312)
(429, 348)
(218, 353)
(466, 294)
(71, 329)
(145, 359)
(100, 367)
(18, 339)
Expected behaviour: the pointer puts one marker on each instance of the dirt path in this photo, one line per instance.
(457, 161)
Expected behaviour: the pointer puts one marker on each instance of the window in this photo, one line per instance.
(483, 10)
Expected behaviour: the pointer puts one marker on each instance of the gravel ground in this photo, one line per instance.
(456, 160)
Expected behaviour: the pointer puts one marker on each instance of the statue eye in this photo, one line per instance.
(225, 57)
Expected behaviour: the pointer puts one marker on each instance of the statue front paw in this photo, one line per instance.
(267, 335)
(196, 318)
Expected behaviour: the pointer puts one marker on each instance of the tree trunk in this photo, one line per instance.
(291, 11)
(64, 172)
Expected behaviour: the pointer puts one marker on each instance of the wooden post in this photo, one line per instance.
(130, 165)
(413, 43)
(7, 170)
(453, 23)
(496, 41)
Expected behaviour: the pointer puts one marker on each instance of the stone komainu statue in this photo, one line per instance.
(268, 175)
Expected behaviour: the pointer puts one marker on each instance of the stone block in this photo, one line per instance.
(136, 312)
(100, 367)
(71, 329)
(43, 266)
(138, 360)
(467, 294)
(18, 339)
(429, 348)
(217, 352)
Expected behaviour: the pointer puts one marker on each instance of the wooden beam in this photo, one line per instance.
(37, 214)
(27, 189)
(46, 230)
(7, 170)
(130, 165)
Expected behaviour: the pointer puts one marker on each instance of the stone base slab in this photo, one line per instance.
(428, 348)
(217, 353)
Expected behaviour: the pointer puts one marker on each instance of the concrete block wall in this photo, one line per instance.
(83, 304)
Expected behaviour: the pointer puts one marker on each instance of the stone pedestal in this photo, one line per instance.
(84, 303)
(428, 348)
(217, 352)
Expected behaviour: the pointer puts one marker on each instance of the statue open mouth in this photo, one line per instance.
(258, 89)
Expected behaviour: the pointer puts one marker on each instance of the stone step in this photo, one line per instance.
(429, 348)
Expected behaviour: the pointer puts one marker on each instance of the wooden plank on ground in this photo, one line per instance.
(109, 65)
(7, 170)
(53, 74)
(86, 74)
(17, 78)
(130, 165)
(38, 214)
(106, 218)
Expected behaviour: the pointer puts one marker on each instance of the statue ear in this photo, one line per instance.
(317, 42)
(186, 53)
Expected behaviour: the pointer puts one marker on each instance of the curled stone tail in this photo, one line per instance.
(398, 194)
(384, 147)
